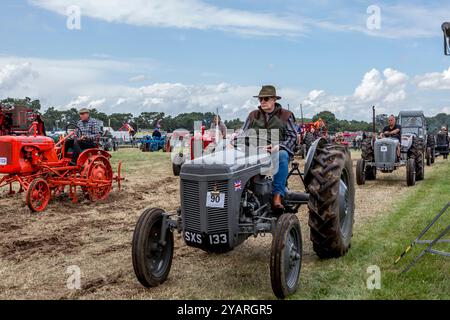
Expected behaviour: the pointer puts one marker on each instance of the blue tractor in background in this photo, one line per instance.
(152, 144)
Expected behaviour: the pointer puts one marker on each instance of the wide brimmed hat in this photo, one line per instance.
(268, 91)
(84, 110)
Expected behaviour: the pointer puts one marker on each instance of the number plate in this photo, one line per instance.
(215, 200)
(218, 239)
(383, 148)
(3, 161)
(197, 239)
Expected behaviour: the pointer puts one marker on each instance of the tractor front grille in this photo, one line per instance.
(218, 217)
(387, 156)
(196, 216)
(5, 153)
(191, 206)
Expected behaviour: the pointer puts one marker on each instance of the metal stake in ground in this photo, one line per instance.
(431, 243)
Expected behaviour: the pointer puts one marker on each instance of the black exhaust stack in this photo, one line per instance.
(374, 128)
(446, 30)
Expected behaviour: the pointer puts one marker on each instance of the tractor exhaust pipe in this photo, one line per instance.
(446, 30)
(374, 128)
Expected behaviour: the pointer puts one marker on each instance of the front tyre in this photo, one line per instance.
(177, 162)
(428, 156)
(38, 195)
(410, 172)
(286, 256)
(330, 183)
(152, 258)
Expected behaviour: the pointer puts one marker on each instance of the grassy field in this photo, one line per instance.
(379, 241)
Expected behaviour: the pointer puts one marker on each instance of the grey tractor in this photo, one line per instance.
(226, 198)
(442, 145)
(381, 154)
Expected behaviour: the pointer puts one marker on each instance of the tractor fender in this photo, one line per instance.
(311, 152)
(91, 152)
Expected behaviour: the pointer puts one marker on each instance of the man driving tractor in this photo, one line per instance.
(393, 130)
(271, 116)
(88, 130)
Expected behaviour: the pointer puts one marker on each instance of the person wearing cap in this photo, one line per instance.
(270, 115)
(89, 132)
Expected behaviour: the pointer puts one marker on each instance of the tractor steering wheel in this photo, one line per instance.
(242, 145)
(71, 127)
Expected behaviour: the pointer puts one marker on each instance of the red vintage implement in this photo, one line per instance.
(42, 169)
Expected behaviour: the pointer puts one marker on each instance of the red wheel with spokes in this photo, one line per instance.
(38, 195)
(99, 174)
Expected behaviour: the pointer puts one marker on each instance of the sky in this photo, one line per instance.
(179, 56)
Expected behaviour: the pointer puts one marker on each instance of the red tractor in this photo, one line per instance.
(15, 119)
(200, 143)
(42, 169)
(310, 132)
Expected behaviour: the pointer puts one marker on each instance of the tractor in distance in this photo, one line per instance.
(381, 154)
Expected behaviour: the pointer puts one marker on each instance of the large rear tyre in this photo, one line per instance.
(367, 152)
(410, 172)
(308, 141)
(286, 256)
(98, 170)
(368, 155)
(360, 172)
(38, 195)
(151, 258)
(331, 185)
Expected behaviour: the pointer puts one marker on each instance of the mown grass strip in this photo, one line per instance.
(380, 242)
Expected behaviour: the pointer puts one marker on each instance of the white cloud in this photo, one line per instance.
(82, 83)
(377, 88)
(192, 14)
(402, 20)
(138, 78)
(434, 80)
(12, 75)
(78, 102)
(314, 94)
(399, 21)
(58, 81)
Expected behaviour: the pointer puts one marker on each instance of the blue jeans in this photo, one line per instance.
(281, 172)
